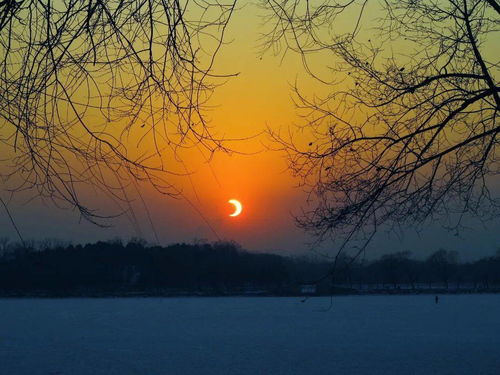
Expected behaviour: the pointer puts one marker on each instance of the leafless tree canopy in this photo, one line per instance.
(408, 130)
(82, 79)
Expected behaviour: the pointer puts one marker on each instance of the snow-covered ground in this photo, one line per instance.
(357, 335)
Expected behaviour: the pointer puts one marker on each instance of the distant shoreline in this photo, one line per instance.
(114, 269)
(171, 294)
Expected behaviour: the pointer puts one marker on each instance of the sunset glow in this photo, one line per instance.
(237, 207)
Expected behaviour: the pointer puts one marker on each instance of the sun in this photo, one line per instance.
(238, 207)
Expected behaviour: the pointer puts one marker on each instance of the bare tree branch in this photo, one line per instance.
(408, 131)
(91, 89)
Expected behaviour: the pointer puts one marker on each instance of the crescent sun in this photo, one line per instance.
(237, 207)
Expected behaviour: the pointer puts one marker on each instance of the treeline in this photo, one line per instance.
(441, 269)
(114, 267)
(117, 268)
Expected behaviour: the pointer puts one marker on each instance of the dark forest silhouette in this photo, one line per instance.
(223, 268)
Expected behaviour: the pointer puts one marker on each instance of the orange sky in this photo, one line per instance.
(259, 97)
(242, 108)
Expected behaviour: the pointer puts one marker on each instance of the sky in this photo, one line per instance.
(244, 107)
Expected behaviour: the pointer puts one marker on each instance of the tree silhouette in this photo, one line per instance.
(82, 79)
(52, 268)
(408, 129)
(443, 264)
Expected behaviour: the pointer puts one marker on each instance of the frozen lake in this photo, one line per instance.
(358, 335)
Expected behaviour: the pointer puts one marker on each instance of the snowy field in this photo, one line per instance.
(358, 335)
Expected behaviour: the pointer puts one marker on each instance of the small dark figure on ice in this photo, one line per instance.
(436, 299)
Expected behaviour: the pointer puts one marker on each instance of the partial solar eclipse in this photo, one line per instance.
(237, 207)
